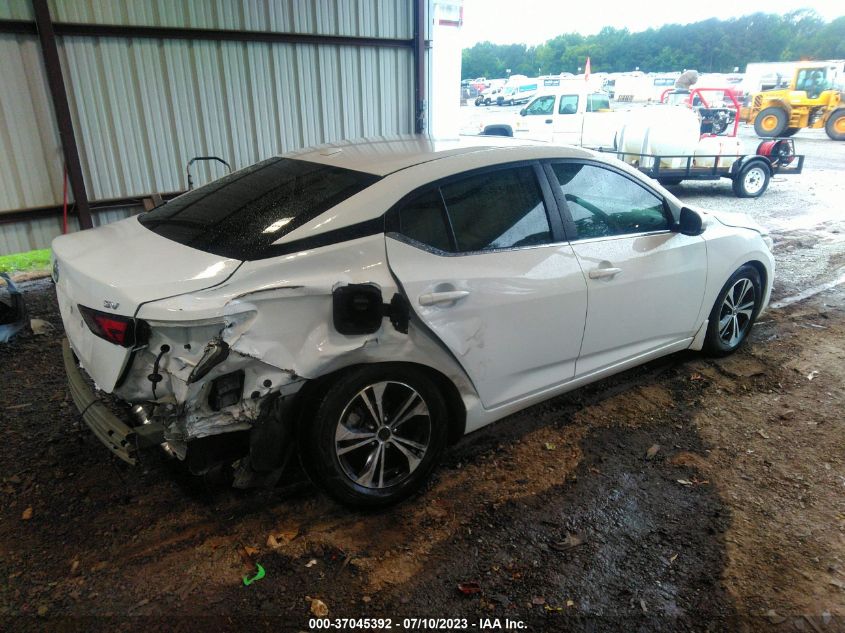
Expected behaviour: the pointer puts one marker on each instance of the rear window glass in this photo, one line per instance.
(242, 214)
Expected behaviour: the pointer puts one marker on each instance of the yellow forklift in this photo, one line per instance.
(811, 100)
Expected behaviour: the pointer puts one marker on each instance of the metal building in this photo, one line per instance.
(122, 93)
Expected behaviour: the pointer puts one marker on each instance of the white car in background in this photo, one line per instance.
(366, 304)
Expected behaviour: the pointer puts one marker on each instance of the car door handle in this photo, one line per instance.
(433, 298)
(548, 120)
(604, 273)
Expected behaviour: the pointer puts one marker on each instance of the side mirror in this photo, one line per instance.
(690, 223)
(523, 112)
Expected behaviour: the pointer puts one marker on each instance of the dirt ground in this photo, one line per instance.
(688, 494)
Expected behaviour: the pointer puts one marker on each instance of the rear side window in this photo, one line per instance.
(597, 103)
(603, 203)
(424, 219)
(242, 214)
(568, 104)
(498, 209)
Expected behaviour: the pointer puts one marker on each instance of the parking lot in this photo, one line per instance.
(690, 493)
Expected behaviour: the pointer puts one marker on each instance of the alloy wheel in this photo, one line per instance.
(736, 312)
(383, 434)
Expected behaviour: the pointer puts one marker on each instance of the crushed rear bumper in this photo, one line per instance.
(122, 440)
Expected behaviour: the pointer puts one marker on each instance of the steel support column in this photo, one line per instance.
(50, 53)
(419, 65)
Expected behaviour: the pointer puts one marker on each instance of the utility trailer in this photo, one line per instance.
(749, 173)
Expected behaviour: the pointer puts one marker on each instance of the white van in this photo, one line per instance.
(521, 91)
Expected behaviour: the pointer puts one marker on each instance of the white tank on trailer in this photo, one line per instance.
(722, 146)
(664, 130)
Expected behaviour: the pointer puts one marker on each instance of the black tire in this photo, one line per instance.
(835, 126)
(752, 180)
(790, 131)
(339, 407)
(726, 332)
(670, 182)
(771, 122)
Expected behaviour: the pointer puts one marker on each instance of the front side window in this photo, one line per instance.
(604, 203)
(498, 209)
(541, 106)
(568, 104)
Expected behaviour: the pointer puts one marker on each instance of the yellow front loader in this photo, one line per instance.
(810, 101)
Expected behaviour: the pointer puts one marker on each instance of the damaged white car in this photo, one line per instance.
(364, 304)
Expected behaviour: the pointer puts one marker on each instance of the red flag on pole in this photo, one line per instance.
(587, 70)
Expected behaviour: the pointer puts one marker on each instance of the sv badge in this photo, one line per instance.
(111, 305)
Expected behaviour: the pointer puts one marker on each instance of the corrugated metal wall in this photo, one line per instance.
(142, 107)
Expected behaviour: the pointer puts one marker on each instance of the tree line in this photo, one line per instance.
(708, 46)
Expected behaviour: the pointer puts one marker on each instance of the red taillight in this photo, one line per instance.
(116, 329)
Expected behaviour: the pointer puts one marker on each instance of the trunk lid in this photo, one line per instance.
(115, 269)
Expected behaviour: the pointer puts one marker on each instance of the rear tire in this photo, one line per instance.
(752, 180)
(835, 126)
(771, 122)
(670, 182)
(734, 312)
(365, 462)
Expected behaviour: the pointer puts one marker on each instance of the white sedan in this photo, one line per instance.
(363, 305)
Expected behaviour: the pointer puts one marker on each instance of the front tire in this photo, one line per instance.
(734, 312)
(771, 122)
(377, 434)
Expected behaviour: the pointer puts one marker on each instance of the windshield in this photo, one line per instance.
(242, 214)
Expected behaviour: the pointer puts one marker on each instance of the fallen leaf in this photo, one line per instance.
(571, 540)
(319, 608)
(27, 514)
(42, 611)
(311, 562)
(550, 446)
(684, 482)
(548, 608)
(366, 599)
(537, 600)
(74, 566)
(774, 618)
(652, 451)
(250, 551)
(275, 540)
(762, 434)
(570, 603)
(672, 559)
(812, 374)
(696, 377)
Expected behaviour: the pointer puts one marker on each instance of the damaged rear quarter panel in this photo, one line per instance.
(276, 316)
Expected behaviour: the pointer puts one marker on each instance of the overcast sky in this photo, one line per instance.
(535, 21)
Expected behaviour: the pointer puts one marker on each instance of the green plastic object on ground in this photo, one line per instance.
(258, 576)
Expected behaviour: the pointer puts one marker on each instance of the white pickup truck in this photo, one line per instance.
(568, 116)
